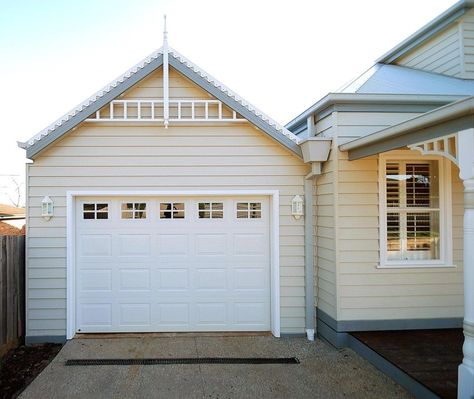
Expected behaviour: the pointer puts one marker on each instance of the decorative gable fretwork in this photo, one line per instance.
(445, 146)
(180, 110)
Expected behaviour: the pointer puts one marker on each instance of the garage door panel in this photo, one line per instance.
(172, 245)
(249, 278)
(186, 274)
(211, 314)
(250, 244)
(172, 279)
(134, 279)
(95, 245)
(250, 313)
(173, 314)
(135, 314)
(95, 315)
(134, 245)
(211, 244)
(95, 279)
(211, 280)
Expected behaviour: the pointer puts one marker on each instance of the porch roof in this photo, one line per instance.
(441, 121)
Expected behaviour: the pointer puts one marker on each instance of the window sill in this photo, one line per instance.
(416, 266)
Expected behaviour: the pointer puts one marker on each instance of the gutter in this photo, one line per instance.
(448, 112)
(360, 98)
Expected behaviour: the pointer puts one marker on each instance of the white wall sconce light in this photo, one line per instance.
(297, 207)
(47, 208)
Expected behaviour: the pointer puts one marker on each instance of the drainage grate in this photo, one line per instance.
(202, 360)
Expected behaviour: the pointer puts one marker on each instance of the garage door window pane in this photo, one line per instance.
(211, 210)
(249, 210)
(134, 210)
(172, 210)
(93, 211)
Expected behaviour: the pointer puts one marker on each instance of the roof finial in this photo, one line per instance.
(165, 32)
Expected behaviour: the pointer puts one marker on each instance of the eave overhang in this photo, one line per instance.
(441, 121)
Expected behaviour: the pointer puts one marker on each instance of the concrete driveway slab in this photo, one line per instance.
(324, 372)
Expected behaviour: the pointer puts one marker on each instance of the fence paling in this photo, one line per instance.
(12, 290)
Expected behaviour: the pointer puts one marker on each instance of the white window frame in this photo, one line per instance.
(445, 212)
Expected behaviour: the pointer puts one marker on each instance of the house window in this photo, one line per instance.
(95, 211)
(412, 209)
(172, 210)
(134, 210)
(211, 210)
(249, 210)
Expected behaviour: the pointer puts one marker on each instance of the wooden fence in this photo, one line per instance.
(12, 291)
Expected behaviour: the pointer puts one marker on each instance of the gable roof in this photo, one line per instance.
(395, 79)
(119, 85)
(426, 32)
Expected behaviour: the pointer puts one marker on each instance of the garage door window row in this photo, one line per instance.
(173, 210)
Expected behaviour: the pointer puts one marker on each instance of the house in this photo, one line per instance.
(165, 202)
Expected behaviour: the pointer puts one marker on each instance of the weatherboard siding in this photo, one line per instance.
(467, 32)
(351, 125)
(441, 54)
(325, 252)
(366, 292)
(127, 157)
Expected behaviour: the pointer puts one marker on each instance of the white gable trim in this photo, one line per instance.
(78, 114)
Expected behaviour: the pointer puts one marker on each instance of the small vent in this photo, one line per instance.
(203, 360)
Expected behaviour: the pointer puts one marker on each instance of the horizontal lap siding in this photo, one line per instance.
(368, 293)
(351, 125)
(325, 252)
(441, 54)
(468, 44)
(146, 158)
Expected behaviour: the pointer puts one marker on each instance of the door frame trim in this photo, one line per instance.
(71, 197)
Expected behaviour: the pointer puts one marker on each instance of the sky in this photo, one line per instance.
(281, 56)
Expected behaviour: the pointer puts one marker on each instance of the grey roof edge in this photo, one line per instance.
(78, 114)
(436, 25)
(442, 114)
(369, 98)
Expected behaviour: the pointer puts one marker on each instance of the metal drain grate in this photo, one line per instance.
(202, 360)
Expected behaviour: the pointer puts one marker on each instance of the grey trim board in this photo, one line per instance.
(412, 137)
(42, 339)
(236, 106)
(94, 107)
(342, 326)
(292, 335)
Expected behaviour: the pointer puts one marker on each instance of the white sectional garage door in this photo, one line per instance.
(160, 264)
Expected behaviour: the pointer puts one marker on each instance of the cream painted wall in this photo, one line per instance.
(146, 157)
(366, 292)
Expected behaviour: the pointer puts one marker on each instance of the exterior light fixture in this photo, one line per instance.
(47, 208)
(297, 207)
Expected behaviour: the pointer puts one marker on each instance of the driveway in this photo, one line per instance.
(324, 372)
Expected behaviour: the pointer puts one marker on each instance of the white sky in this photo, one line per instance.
(282, 56)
